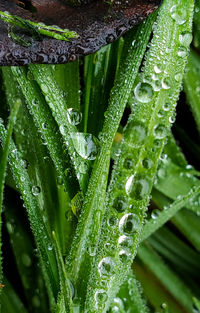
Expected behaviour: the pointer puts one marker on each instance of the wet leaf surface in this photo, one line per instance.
(97, 24)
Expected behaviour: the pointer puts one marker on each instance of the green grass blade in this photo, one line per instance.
(192, 85)
(3, 165)
(41, 234)
(176, 287)
(144, 139)
(10, 302)
(152, 225)
(68, 78)
(66, 292)
(119, 97)
(47, 126)
(54, 97)
(130, 297)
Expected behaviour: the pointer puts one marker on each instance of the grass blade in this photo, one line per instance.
(119, 97)
(144, 139)
(3, 165)
(165, 215)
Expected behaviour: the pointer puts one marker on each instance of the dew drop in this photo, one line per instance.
(160, 131)
(36, 190)
(86, 145)
(129, 224)
(120, 204)
(143, 92)
(128, 163)
(147, 163)
(100, 296)
(137, 133)
(182, 52)
(155, 213)
(185, 39)
(74, 116)
(124, 255)
(125, 241)
(178, 14)
(138, 186)
(106, 266)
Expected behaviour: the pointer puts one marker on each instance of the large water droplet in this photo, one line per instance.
(178, 14)
(138, 186)
(143, 92)
(129, 224)
(106, 266)
(137, 133)
(74, 116)
(182, 52)
(86, 145)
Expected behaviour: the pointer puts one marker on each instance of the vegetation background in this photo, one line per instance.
(99, 166)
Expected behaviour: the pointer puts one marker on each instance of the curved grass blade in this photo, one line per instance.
(40, 231)
(192, 85)
(119, 97)
(54, 97)
(10, 302)
(152, 225)
(66, 292)
(168, 278)
(130, 298)
(3, 165)
(47, 126)
(144, 138)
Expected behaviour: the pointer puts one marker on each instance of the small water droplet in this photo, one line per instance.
(160, 131)
(120, 204)
(137, 133)
(129, 224)
(106, 266)
(143, 92)
(36, 190)
(26, 260)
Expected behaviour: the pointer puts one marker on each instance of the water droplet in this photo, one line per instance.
(10, 228)
(129, 224)
(143, 92)
(137, 133)
(124, 255)
(74, 116)
(44, 88)
(26, 260)
(182, 52)
(106, 266)
(178, 14)
(166, 83)
(160, 131)
(125, 241)
(36, 190)
(157, 69)
(112, 221)
(100, 296)
(128, 163)
(120, 204)
(86, 145)
(138, 186)
(50, 248)
(155, 213)
(147, 163)
(185, 39)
